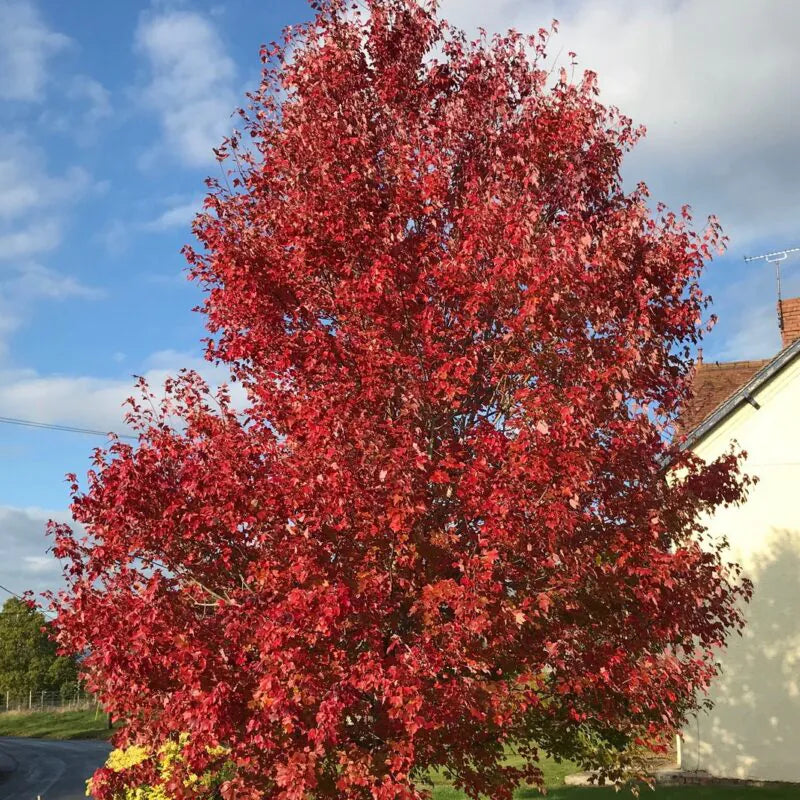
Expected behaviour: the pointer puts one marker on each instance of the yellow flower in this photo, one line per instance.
(167, 757)
(119, 760)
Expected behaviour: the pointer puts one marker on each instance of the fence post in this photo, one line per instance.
(6, 701)
(30, 699)
(43, 700)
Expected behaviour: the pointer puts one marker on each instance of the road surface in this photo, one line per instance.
(51, 770)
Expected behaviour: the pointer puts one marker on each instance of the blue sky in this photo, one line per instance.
(108, 112)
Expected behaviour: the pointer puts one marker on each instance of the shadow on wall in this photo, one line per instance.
(753, 731)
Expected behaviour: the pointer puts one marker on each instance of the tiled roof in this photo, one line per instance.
(713, 384)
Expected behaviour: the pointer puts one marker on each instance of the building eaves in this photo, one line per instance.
(742, 395)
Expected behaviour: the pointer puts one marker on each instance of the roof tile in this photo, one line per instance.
(713, 384)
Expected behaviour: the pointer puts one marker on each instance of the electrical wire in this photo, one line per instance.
(10, 592)
(27, 423)
(19, 597)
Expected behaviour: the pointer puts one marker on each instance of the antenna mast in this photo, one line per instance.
(776, 258)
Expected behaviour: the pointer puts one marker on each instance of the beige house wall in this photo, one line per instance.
(753, 731)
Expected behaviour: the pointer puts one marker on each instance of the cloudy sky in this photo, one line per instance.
(109, 111)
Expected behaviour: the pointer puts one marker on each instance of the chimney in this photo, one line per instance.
(789, 320)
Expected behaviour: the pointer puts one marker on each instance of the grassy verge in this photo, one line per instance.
(660, 793)
(92, 725)
(556, 790)
(672, 793)
(55, 724)
(553, 774)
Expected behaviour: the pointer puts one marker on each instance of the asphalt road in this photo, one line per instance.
(51, 770)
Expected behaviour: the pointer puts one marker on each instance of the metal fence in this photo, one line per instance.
(47, 701)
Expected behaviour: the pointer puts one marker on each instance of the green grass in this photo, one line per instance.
(92, 725)
(553, 774)
(660, 793)
(55, 724)
(556, 790)
(672, 793)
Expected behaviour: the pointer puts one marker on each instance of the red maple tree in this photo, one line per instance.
(441, 530)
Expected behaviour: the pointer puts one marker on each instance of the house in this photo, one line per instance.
(753, 731)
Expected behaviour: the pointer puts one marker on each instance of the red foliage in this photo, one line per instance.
(443, 526)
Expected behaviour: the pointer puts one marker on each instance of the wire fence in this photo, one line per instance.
(47, 701)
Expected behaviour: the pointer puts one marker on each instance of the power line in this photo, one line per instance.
(27, 423)
(19, 597)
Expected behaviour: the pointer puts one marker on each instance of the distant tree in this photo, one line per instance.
(442, 530)
(28, 657)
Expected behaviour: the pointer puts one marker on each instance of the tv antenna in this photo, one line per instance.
(776, 258)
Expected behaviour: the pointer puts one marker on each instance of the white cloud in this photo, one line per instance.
(35, 281)
(25, 184)
(715, 83)
(76, 400)
(26, 44)
(10, 321)
(94, 94)
(26, 563)
(179, 215)
(94, 402)
(33, 206)
(89, 104)
(172, 280)
(34, 238)
(115, 237)
(191, 81)
(25, 284)
(170, 359)
(748, 324)
(39, 564)
(85, 401)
